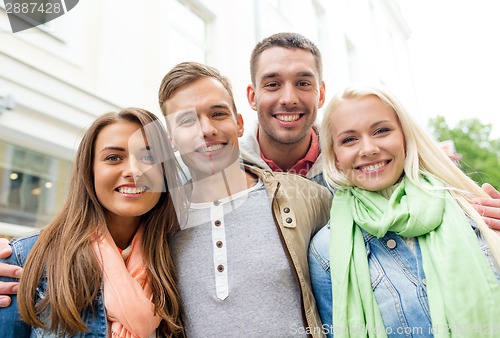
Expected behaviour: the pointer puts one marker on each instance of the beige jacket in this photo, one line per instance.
(300, 208)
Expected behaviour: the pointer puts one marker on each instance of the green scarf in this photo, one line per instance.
(462, 289)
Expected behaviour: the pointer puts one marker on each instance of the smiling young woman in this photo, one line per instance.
(408, 252)
(102, 267)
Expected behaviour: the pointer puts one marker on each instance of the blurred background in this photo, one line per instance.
(439, 57)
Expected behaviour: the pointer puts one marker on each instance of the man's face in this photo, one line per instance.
(204, 129)
(286, 95)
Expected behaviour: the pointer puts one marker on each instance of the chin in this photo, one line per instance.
(372, 186)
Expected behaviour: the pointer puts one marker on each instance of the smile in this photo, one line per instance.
(372, 167)
(209, 149)
(132, 190)
(288, 118)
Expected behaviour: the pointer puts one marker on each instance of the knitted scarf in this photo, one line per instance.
(127, 292)
(462, 290)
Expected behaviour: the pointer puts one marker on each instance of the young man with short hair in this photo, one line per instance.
(286, 92)
(241, 254)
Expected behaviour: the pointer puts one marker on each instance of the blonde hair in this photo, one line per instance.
(423, 155)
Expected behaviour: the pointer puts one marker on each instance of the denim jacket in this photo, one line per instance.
(11, 325)
(397, 279)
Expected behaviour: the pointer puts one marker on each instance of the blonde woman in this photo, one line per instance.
(405, 253)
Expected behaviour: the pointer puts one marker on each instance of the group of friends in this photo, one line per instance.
(358, 227)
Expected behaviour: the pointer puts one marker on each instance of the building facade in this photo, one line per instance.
(101, 56)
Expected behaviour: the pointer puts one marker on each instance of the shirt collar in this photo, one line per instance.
(303, 165)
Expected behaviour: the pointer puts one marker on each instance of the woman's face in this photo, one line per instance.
(127, 178)
(368, 142)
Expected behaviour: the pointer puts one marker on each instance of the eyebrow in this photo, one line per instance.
(112, 148)
(353, 131)
(220, 106)
(299, 74)
(121, 149)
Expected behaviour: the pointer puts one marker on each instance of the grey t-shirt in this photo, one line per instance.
(234, 277)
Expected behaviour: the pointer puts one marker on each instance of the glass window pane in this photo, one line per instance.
(32, 185)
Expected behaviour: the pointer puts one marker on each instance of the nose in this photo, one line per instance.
(133, 169)
(288, 95)
(368, 147)
(207, 127)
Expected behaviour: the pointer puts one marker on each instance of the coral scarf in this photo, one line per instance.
(462, 290)
(127, 292)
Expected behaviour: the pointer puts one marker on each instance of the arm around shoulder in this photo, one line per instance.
(12, 258)
(12, 326)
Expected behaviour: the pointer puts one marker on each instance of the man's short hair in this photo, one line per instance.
(185, 73)
(285, 40)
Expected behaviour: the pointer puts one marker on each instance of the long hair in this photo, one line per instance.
(423, 155)
(63, 255)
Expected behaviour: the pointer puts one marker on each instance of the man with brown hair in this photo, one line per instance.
(287, 90)
(241, 255)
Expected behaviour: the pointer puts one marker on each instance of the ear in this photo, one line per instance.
(251, 97)
(321, 94)
(239, 122)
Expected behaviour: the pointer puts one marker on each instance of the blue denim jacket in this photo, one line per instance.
(12, 327)
(397, 279)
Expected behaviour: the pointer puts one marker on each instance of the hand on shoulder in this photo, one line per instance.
(489, 208)
(6, 270)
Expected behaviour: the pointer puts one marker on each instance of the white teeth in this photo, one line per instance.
(372, 167)
(132, 190)
(288, 118)
(210, 148)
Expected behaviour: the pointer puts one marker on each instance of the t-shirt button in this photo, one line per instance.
(219, 244)
(220, 268)
(391, 244)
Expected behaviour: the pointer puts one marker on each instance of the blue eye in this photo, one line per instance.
(113, 158)
(382, 131)
(187, 122)
(303, 83)
(148, 158)
(348, 140)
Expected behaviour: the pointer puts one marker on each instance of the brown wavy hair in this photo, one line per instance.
(63, 255)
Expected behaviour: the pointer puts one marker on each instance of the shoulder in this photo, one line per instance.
(293, 185)
(304, 184)
(21, 247)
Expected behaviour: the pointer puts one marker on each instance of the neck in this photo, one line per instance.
(123, 230)
(285, 155)
(233, 179)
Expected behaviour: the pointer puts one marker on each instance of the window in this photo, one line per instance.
(188, 33)
(32, 186)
